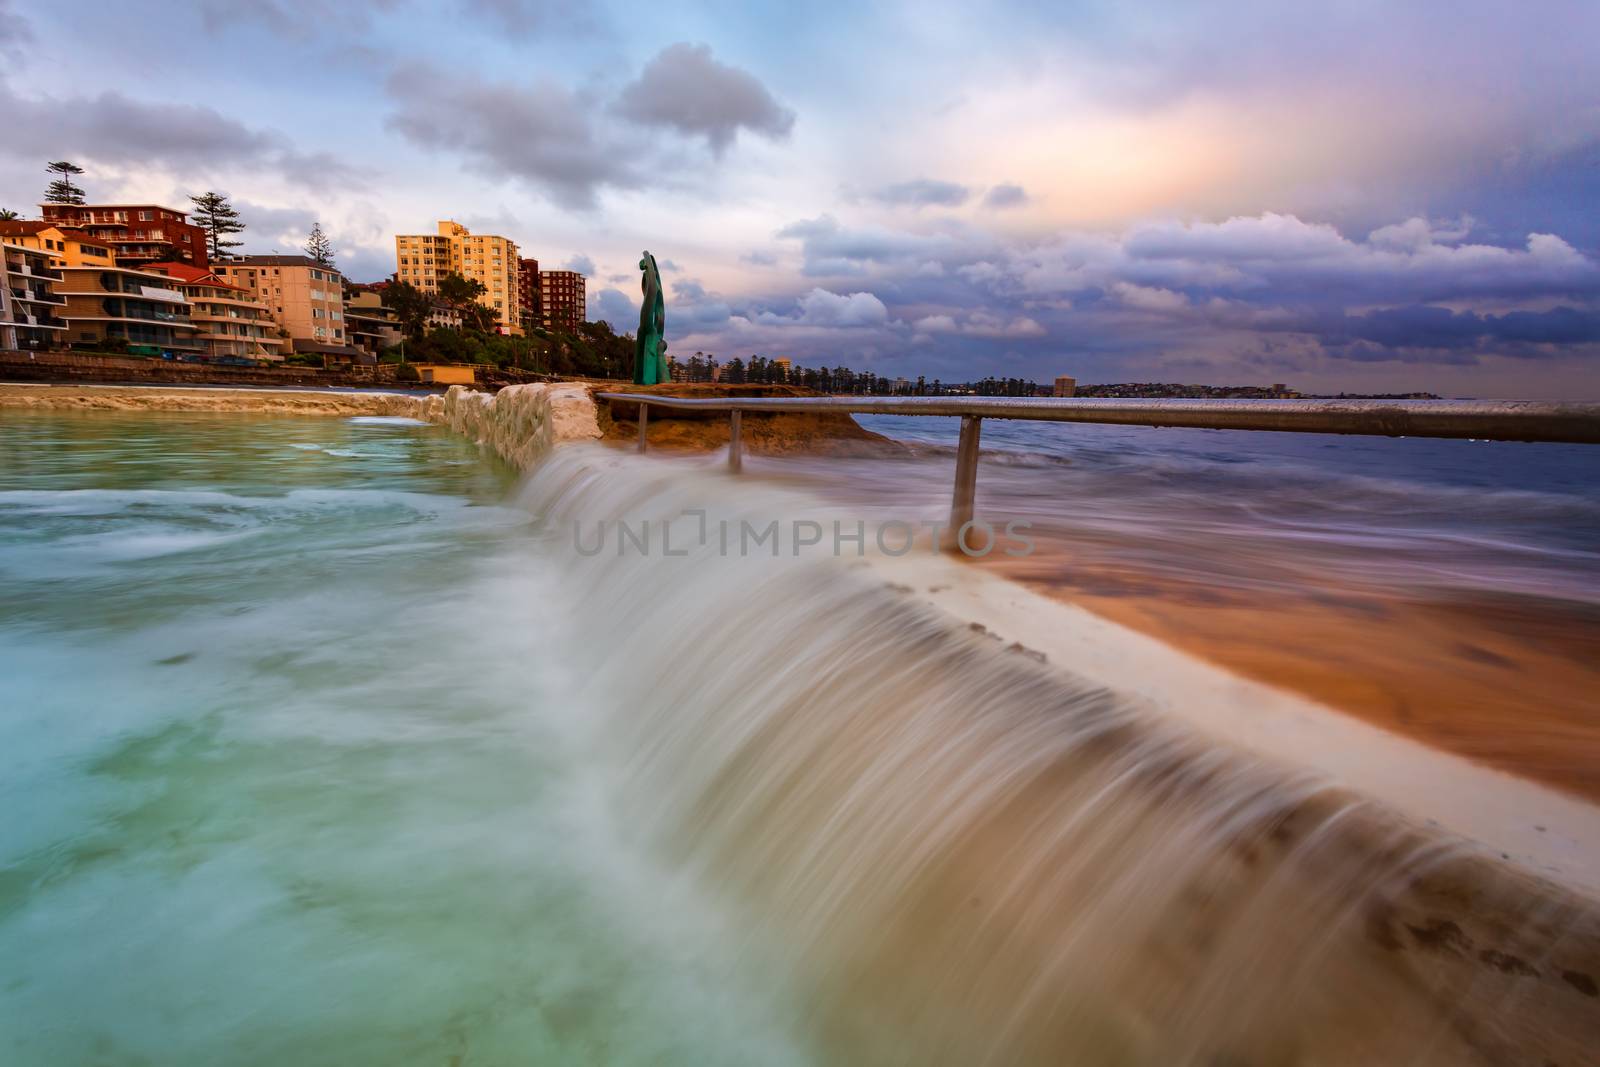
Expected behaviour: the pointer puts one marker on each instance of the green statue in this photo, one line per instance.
(650, 345)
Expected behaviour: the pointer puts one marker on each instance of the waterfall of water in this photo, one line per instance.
(970, 856)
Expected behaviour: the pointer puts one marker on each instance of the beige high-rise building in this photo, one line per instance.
(423, 259)
(305, 298)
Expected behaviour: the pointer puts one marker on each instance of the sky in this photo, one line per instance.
(1349, 196)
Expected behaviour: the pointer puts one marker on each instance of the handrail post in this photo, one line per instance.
(735, 446)
(966, 490)
(644, 421)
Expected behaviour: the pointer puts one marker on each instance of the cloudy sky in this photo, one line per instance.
(1362, 196)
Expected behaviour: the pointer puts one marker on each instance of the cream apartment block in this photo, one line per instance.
(145, 312)
(423, 259)
(306, 298)
(29, 306)
(229, 320)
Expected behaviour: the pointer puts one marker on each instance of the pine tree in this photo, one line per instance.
(61, 190)
(216, 216)
(319, 247)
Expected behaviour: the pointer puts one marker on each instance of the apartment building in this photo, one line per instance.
(119, 304)
(370, 324)
(562, 300)
(306, 298)
(528, 302)
(29, 304)
(136, 233)
(231, 323)
(65, 246)
(424, 259)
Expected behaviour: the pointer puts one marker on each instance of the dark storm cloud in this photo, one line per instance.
(193, 139)
(923, 192)
(1005, 195)
(1413, 292)
(568, 144)
(616, 307)
(1523, 333)
(543, 134)
(686, 90)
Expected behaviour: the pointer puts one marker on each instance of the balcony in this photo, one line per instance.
(38, 296)
(38, 322)
(22, 268)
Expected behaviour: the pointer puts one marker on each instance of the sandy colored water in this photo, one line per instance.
(1510, 682)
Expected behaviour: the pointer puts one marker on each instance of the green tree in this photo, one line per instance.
(6, 214)
(319, 247)
(216, 216)
(62, 190)
(411, 307)
(462, 294)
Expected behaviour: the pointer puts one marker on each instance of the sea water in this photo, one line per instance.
(323, 743)
(282, 778)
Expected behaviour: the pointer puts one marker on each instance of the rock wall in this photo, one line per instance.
(520, 423)
(85, 367)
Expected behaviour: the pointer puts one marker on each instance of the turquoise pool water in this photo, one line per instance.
(286, 776)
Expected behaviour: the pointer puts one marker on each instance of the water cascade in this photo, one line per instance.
(970, 856)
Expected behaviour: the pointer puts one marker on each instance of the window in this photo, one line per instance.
(146, 216)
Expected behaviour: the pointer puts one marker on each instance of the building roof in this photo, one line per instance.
(277, 261)
(189, 274)
(113, 207)
(21, 227)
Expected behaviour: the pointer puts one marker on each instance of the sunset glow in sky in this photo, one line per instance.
(1349, 196)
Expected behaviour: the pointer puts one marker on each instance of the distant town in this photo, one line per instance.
(159, 283)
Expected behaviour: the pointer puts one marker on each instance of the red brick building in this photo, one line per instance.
(562, 298)
(137, 233)
(529, 305)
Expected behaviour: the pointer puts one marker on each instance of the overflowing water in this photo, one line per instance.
(325, 742)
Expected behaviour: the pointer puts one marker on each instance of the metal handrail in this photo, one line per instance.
(1484, 420)
(1492, 420)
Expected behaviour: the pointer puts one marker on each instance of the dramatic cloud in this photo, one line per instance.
(1005, 195)
(566, 143)
(615, 307)
(274, 226)
(1155, 191)
(980, 324)
(832, 250)
(543, 134)
(684, 89)
(189, 139)
(820, 307)
(923, 192)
